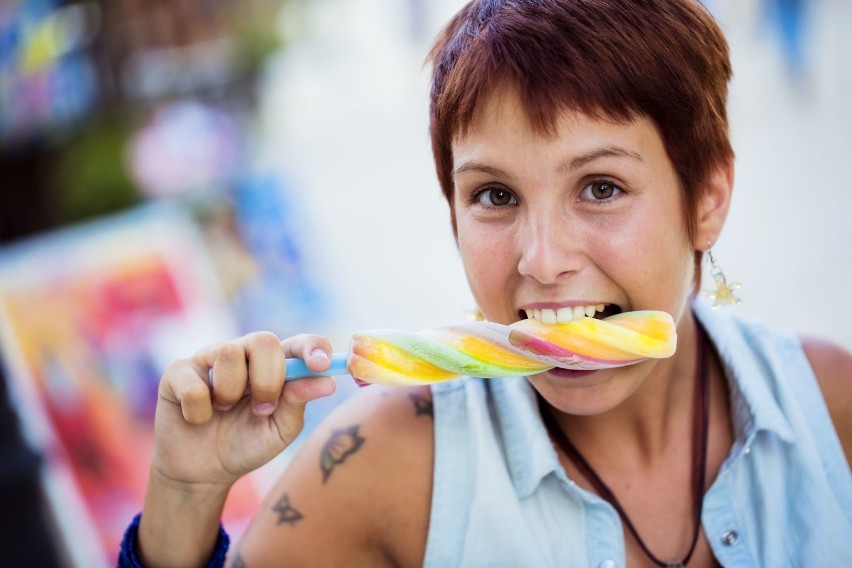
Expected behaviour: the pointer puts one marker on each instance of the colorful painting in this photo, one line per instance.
(89, 317)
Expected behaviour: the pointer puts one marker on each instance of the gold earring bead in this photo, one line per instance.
(475, 315)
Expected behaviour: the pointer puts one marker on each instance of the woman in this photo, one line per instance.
(584, 152)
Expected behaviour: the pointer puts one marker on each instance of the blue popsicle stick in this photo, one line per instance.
(297, 369)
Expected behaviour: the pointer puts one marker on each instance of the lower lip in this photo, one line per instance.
(569, 373)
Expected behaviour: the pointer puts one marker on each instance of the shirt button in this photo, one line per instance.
(730, 538)
(608, 564)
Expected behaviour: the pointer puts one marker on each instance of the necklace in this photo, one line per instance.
(699, 454)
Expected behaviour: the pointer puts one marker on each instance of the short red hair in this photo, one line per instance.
(666, 60)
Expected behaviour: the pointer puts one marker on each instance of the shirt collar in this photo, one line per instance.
(754, 406)
(531, 457)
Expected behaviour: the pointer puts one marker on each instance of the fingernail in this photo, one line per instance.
(319, 353)
(263, 408)
(223, 407)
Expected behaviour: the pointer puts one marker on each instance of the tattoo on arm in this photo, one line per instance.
(342, 444)
(286, 513)
(422, 405)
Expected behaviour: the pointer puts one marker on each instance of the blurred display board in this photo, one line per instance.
(89, 316)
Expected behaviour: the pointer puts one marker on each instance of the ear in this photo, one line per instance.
(713, 205)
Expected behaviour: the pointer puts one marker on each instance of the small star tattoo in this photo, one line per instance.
(286, 513)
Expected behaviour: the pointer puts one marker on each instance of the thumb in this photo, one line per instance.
(290, 413)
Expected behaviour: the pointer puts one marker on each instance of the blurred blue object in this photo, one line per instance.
(47, 81)
(284, 298)
(789, 17)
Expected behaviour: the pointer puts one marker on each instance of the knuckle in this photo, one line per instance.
(196, 393)
(265, 341)
(230, 351)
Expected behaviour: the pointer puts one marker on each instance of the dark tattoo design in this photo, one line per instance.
(286, 512)
(422, 405)
(342, 444)
(238, 561)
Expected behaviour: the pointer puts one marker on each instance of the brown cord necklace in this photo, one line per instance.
(700, 432)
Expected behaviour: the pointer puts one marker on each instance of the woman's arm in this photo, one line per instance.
(832, 366)
(192, 514)
(220, 414)
(358, 493)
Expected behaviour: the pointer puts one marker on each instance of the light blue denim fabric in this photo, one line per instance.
(783, 497)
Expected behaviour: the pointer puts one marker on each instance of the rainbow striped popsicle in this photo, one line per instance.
(491, 350)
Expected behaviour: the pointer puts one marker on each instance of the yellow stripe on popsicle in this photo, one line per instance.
(653, 324)
(484, 351)
(390, 359)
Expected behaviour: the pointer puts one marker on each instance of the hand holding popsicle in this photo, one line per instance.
(491, 350)
(221, 413)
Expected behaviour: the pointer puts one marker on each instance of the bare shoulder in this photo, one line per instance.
(832, 366)
(358, 491)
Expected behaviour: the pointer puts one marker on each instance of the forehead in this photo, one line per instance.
(503, 130)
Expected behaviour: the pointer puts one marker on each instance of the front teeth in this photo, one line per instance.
(564, 315)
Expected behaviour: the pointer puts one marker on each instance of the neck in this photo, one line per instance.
(698, 460)
(645, 426)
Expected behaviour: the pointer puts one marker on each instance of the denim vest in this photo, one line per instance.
(783, 496)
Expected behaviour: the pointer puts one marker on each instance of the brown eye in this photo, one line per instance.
(497, 197)
(602, 190)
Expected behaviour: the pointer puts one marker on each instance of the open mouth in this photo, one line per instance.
(569, 314)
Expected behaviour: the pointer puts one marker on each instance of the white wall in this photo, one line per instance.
(345, 116)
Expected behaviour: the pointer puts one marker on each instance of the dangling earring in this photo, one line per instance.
(723, 295)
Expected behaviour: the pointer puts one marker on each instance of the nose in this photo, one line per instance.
(550, 250)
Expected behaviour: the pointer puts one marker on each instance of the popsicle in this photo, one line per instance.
(492, 350)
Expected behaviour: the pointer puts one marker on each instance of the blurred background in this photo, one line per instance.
(174, 172)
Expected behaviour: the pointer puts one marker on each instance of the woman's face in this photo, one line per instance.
(589, 216)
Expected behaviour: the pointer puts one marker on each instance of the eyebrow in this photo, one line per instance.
(478, 167)
(573, 164)
(597, 153)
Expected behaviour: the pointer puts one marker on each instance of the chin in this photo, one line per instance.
(581, 393)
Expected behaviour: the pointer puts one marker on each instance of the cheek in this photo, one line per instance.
(486, 259)
(474, 247)
(646, 250)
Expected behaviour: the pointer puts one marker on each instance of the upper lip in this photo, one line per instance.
(557, 305)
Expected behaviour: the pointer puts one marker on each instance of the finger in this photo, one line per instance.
(230, 375)
(266, 370)
(183, 385)
(299, 393)
(290, 413)
(225, 366)
(315, 350)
